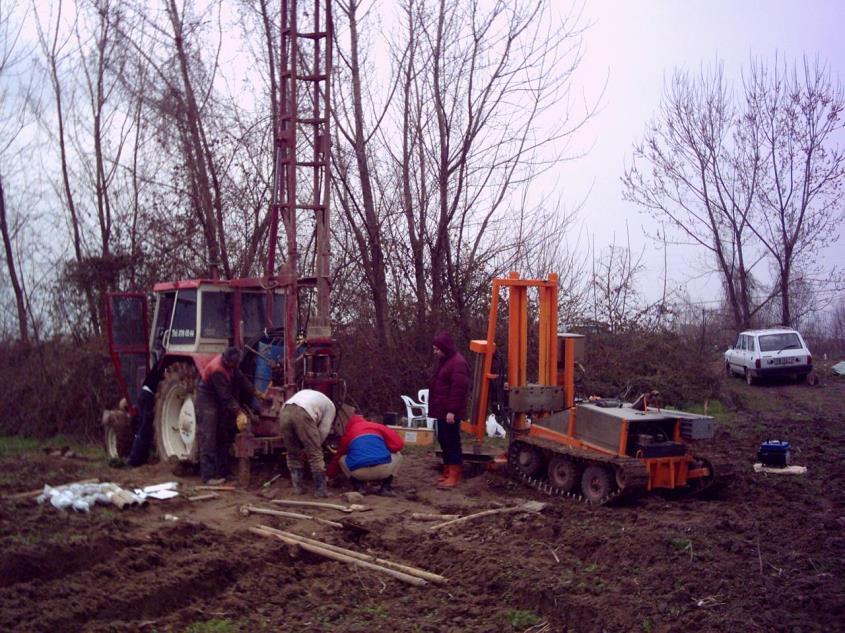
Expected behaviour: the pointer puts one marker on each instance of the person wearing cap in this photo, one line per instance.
(220, 389)
(447, 402)
(305, 422)
(368, 451)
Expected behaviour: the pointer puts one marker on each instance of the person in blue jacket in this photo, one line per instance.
(368, 451)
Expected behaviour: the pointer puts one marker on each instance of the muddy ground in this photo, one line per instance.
(767, 553)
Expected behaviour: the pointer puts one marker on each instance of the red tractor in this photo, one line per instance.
(193, 320)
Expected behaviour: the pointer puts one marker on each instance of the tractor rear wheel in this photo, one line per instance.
(596, 483)
(175, 417)
(526, 459)
(563, 473)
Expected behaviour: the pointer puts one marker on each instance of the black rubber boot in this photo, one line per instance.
(320, 485)
(296, 481)
(386, 489)
(359, 486)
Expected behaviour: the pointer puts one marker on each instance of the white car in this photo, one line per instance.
(773, 352)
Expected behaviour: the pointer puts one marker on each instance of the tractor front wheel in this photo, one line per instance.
(175, 417)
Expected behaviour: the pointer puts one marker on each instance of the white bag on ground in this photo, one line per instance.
(494, 429)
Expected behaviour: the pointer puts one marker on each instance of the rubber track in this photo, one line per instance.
(635, 474)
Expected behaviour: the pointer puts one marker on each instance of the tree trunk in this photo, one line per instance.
(376, 275)
(10, 264)
(71, 204)
(196, 153)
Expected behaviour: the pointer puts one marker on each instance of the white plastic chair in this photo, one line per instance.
(422, 396)
(417, 412)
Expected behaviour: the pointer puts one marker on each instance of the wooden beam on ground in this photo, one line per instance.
(528, 506)
(326, 553)
(414, 571)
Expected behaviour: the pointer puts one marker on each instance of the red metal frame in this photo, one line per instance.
(116, 350)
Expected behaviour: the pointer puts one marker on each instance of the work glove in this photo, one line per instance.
(242, 421)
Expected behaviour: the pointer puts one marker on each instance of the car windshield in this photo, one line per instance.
(777, 342)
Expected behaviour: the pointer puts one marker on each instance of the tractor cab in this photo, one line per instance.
(200, 318)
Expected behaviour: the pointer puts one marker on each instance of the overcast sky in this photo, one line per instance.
(633, 45)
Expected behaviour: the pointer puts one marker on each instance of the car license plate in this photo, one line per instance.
(781, 361)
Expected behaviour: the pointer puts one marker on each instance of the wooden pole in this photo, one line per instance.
(247, 510)
(423, 516)
(414, 571)
(529, 506)
(210, 495)
(326, 553)
(320, 504)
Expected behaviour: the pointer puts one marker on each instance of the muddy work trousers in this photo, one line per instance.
(301, 434)
(215, 432)
(373, 473)
(449, 437)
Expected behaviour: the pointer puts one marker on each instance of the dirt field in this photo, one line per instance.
(765, 554)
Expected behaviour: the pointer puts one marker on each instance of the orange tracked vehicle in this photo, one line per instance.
(594, 450)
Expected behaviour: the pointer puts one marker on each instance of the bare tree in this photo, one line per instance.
(754, 179)
(477, 82)
(54, 43)
(355, 172)
(179, 104)
(694, 169)
(795, 115)
(616, 301)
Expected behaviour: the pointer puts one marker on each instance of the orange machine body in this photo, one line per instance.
(546, 420)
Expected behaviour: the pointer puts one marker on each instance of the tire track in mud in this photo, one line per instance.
(52, 562)
(118, 580)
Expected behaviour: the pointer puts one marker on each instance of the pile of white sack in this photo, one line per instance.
(83, 496)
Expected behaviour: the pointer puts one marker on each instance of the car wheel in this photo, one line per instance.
(749, 379)
(728, 372)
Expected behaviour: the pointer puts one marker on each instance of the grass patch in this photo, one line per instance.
(11, 445)
(25, 539)
(521, 619)
(680, 544)
(213, 626)
(683, 545)
(715, 408)
(377, 610)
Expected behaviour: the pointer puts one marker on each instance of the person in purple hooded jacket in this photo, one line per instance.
(447, 402)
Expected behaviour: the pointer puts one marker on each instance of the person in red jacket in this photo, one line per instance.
(368, 451)
(447, 402)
